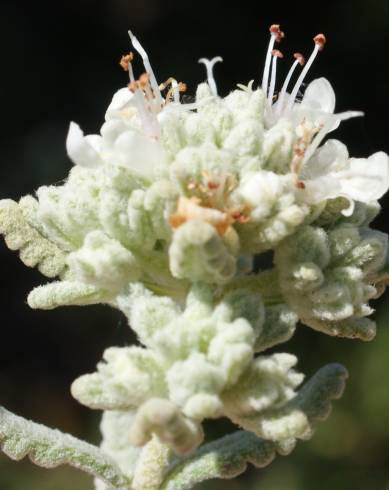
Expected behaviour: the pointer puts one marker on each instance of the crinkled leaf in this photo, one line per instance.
(34, 249)
(50, 448)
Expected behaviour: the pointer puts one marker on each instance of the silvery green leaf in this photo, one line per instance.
(50, 448)
(34, 249)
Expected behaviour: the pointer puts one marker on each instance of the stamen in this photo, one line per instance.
(133, 87)
(320, 41)
(144, 84)
(148, 119)
(163, 86)
(126, 60)
(147, 65)
(275, 35)
(276, 54)
(174, 90)
(275, 29)
(326, 128)
(299, 60)
(209, 64)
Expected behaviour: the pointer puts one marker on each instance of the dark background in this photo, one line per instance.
(59, 62)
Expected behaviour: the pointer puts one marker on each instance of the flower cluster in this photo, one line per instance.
(163, 216)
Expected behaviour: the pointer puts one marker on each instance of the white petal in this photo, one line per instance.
(318, 104)
(138, 152)
(328, 123)
(343, 116)
(320, 189)
(330, 157)
(111, 130)
(96, 142)
(319, 96)
(366, 179)
(121, 99)
(80, 151)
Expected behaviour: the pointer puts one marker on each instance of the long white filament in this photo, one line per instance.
(265, 78)
(149, 70)
(176, 92)
(149, 121)
(303, 75)
(284, 88)
(326, 128)
(272, 80)
(209, 64)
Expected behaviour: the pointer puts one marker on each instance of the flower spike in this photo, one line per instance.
(163, 217)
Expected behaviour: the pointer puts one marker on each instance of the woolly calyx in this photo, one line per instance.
(257, 402)
(115, 428)
(273, 211)
(280, 324)
(103, 262)
(163, 418)
(229, 456)
(65, 293)
(198, 253)
(326, 277)
(201, 362)
(128, 377)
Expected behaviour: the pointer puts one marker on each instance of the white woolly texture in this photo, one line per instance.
(165, 216)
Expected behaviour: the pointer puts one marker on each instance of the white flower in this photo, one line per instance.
(118, 145)
(145, 130)
(318, 103)
(330, 173)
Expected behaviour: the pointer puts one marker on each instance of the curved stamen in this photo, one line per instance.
(209, 64)
(276, 54)
(300, 60)
(326, 128)
(275, 35)
(320, 41)
(149, 70)
(148, 119)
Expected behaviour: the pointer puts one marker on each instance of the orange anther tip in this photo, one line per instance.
(320, 40)
(274, 28)
(125, 60)
(300, 58)
(277, 52)
(276, 31)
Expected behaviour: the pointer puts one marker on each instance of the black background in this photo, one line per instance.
(59, 62)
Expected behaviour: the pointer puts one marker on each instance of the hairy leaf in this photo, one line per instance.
(50, 448)
(34, 248)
